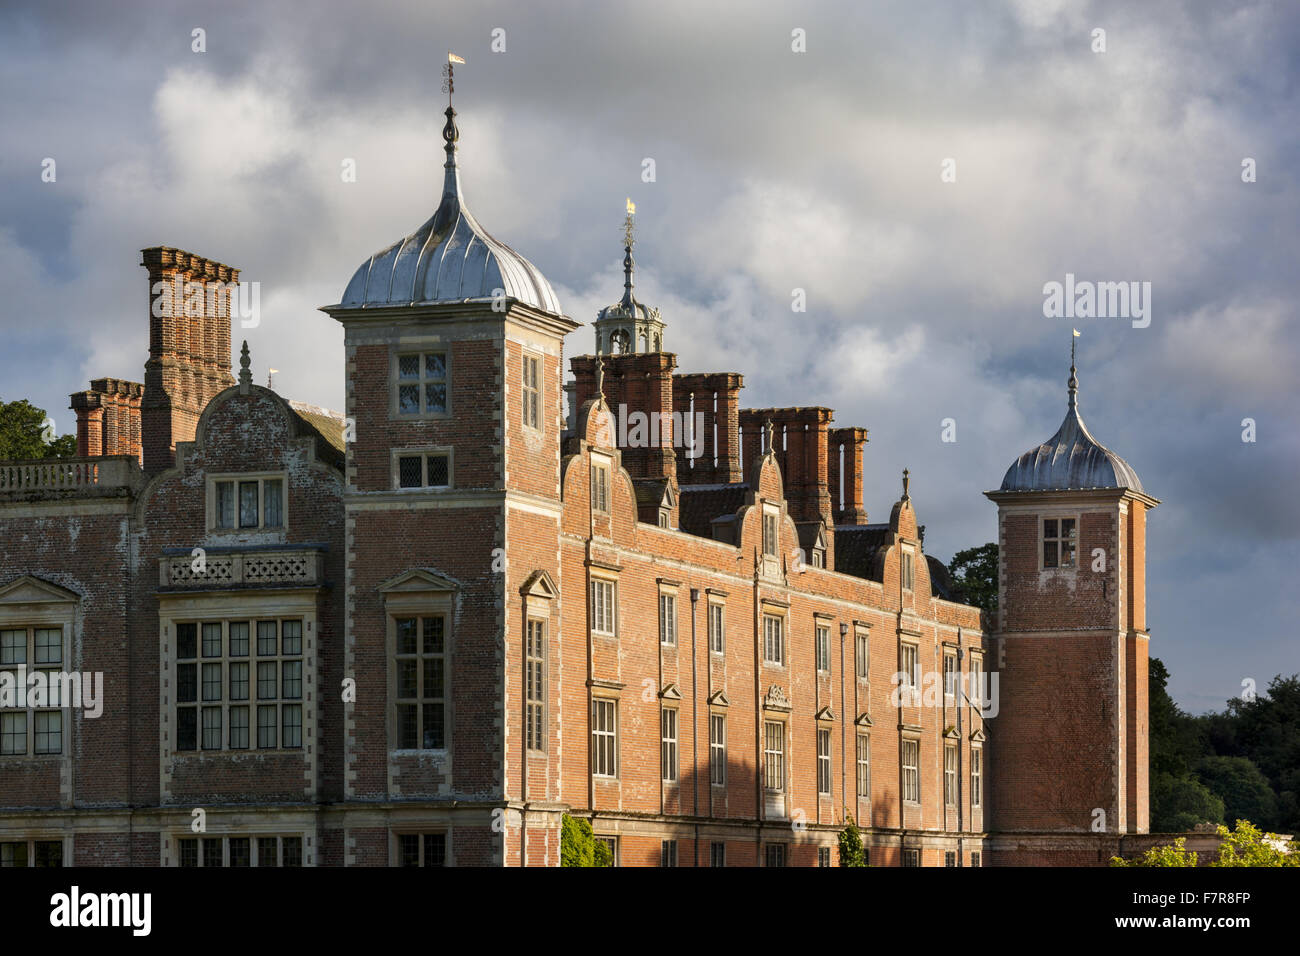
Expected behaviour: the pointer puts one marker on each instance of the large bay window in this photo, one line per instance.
(234, 675)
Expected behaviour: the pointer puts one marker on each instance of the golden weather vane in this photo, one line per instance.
(449, 74)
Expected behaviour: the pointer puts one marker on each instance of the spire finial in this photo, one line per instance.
(450, 133)
(245, 375)
(600, 379)
(628, 242)
(907, 480)
(769, 436)
(1073, 383)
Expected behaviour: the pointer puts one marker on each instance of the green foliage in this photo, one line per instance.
(22, 433)
(975, 572)
(851, 853)
(1173, 854)
(1245, 791)
(579, 846)
(1180, 803)
(1243, 763)
(1249, 846)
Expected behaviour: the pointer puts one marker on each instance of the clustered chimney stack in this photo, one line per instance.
(108, 418)
(800, 437)
(846, 446)
(639, 392)
(709, 402)
(189, 347)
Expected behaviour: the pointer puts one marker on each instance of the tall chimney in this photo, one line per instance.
(846, 446)
(800, 437)
(710, 401)
(638, 388)
(189, 347)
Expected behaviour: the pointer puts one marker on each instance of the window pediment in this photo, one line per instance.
(539, 585)
(33, 590)
(418, 581)
(776, 699)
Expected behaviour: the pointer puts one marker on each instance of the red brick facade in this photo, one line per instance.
(452, 663)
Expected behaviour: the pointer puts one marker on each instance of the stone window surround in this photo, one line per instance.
(174, 608)
(210, 498)
(423, 451)
(419, 599)
(395, 351)
(27, 603)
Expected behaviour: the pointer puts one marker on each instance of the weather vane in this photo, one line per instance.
(449, 75)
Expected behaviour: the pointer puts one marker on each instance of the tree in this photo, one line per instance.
(1181, 802)
(1245, 791)
(1171, 854)
(851, 853)
(975, 572)
(579, 846)
(23, 433)
(1247, 845)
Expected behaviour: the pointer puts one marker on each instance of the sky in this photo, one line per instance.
(920, 170)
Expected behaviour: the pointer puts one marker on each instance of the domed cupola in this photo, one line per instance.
(628, 325)
(451, 258)
(1071, 459)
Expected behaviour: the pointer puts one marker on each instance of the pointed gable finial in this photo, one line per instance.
(907, 481)
(245, 375)
(769, 436)
(600, 380)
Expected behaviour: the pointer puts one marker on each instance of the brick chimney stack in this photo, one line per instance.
(108, 418)
(716, 397)
(189, 347)
(801, 448)
(848, 442)
(638, 389)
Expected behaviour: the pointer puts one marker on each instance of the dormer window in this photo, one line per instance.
(599, 487)
(1059, 541)
(246, 503)
(421, 384)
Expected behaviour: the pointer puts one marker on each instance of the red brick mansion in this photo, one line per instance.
(241, 631)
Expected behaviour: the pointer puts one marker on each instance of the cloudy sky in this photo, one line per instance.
(775, 170)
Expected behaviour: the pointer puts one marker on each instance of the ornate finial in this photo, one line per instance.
(245, 376)
(907, 480)
(450, 133)
(1074, 380)
(628, 242)
(769, 435)
(600, 379)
